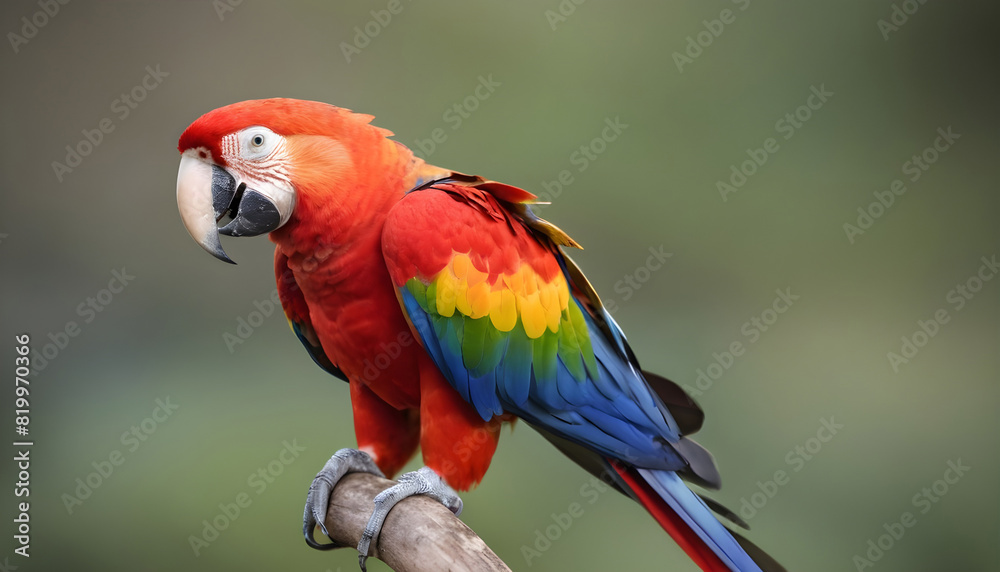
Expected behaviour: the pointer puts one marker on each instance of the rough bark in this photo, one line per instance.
(419, 534)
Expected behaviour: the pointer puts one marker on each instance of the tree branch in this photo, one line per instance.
(419, 533)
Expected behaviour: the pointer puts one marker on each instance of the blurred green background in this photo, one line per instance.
(563, 69)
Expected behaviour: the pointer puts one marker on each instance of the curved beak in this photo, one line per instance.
(206, 193)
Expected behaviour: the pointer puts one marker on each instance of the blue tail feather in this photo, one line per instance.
(699, 518)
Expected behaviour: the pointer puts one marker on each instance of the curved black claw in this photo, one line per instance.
(342, 462)
(423, 481)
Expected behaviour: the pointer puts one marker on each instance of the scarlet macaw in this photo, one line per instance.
(376, 247)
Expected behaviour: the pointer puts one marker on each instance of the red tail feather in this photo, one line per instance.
(671, 521)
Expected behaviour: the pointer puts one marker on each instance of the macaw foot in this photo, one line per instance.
(423, 481)
(342, 462)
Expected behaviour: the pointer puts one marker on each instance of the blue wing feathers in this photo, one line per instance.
(516, 367)
(611, 410)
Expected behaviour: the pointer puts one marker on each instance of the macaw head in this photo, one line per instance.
(250, 168)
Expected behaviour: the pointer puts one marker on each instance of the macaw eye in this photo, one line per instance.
(256, 142)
